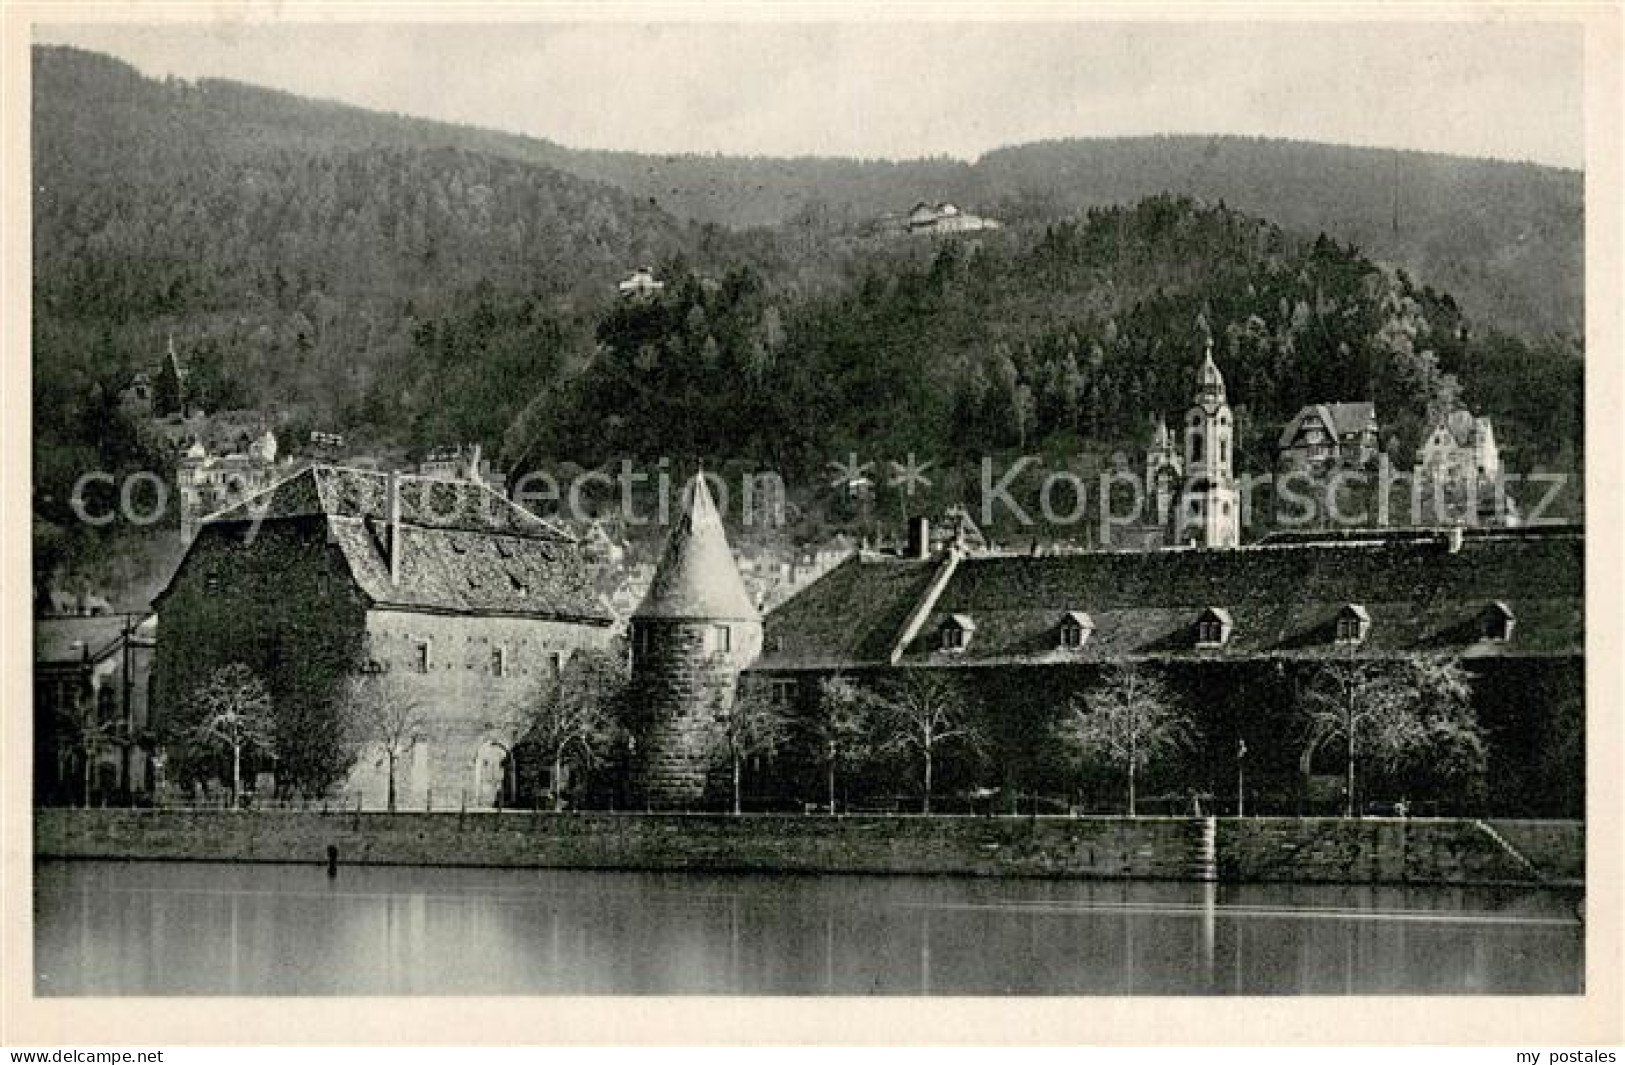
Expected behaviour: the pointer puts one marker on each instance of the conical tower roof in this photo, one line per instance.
(697, 578)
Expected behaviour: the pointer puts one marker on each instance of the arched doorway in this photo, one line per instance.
(493, 775)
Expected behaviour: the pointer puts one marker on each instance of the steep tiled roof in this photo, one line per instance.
(1284, 601)
(1352, 417)
(63, 641)
(341, 492)
(1461, 425)
(697, 577)
(1339, 420)
(464, 548)
(852, 615)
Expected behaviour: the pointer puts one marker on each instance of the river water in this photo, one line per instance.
(150, 928)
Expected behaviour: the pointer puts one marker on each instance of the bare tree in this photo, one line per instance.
(1129, 720)
(233, 710)
(384, 714)
(921, 712)
(751, 725)
(1391, 715)
(841, 727)
(572, 719)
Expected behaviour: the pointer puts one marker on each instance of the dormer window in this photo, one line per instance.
(956, 632)
(1213, 627)
(1076, 627)
(1353, 624)
(1499, 622)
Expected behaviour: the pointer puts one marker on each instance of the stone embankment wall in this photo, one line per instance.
(1392, 851)
(1365, 851)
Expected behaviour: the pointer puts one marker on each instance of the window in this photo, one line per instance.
(106, 704)
(783, 692)
(1076, 628)
(1196, 446)
(721, 640)
(956, 632)
(1499, 622)
(499, 661)
(421, 662)
(1213, 628)
(555, 665)
(642, 640)
(1353, 624)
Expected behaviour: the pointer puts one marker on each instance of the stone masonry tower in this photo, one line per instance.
(1208, 513)
(693, 633)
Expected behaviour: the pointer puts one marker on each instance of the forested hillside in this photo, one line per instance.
(1066, 340)
(415, 285)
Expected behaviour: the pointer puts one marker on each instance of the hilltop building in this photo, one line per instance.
(943, 217)
(135, 399)
(462, 597)
(640, 283)
(461, 463)
(207, 482)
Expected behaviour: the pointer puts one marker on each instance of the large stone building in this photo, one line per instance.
(462, 598)
(693, 633)
(1239, 629)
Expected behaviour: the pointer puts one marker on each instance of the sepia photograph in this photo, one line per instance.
(806, 508)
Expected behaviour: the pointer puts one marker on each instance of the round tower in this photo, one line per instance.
(693, 633)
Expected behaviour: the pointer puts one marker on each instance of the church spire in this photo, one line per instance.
(1209, 381)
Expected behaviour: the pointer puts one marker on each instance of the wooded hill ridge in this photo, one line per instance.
(415, 284)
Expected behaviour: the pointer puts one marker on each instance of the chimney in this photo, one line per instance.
(1454, 538)
(919, 538)
(473, 473)
(394, 527)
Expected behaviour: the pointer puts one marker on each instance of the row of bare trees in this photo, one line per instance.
(1413, 714)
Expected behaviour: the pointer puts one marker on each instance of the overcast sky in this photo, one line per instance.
(906, 89)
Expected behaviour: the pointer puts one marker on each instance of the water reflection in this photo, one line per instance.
(202, 929)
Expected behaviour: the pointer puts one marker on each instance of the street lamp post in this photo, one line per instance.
(1241, 777)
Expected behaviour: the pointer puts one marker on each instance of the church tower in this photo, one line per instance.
(1209, 514)
(1163, 471)
(692, 634)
